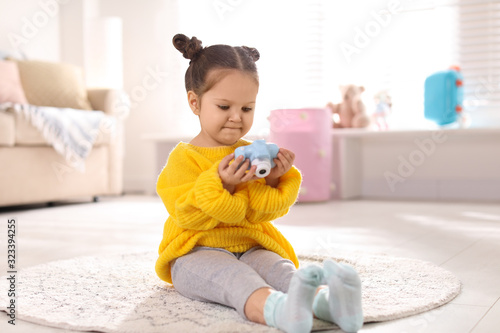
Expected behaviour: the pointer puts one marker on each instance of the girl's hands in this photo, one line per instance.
(231, 175)
(284, 162)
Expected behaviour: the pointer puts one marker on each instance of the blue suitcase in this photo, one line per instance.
(444, 96)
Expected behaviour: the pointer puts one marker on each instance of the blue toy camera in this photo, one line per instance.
(260, 154)
(444, 96)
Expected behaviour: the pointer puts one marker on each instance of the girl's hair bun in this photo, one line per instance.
(214, 57)
(189, 47)
(252, 52)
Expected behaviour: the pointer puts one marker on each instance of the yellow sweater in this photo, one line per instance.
(203, 213)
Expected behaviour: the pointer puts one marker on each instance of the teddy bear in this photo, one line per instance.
(352, 111)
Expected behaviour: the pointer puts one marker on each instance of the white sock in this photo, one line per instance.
(340, 303)
(292, 312)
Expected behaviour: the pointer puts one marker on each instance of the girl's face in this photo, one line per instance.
(226, 110)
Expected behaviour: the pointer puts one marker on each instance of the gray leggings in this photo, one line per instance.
(219, 276)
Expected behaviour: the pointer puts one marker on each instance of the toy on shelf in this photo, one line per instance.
(352, 110)
(444, 96)
(260, 154)
(382, 111)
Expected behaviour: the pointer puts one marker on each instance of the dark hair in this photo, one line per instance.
(215, 57)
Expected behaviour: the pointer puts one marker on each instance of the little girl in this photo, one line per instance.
(219, 244)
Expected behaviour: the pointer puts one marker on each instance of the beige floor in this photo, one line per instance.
(463, 238)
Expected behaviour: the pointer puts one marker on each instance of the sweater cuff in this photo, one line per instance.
(264, 198)
(215, 201)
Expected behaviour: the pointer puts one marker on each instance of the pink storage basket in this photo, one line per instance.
(306, 132)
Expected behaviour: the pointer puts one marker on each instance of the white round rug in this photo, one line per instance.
(121, 293)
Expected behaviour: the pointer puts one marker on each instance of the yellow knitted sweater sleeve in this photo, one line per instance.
(266, 203)
(194, 198)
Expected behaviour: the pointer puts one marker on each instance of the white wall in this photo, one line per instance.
(32, 27)
(153, 78)
(72, 23)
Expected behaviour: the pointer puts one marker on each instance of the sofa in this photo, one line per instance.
(31, 170)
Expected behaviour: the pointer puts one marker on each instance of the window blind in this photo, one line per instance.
(479, 55)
